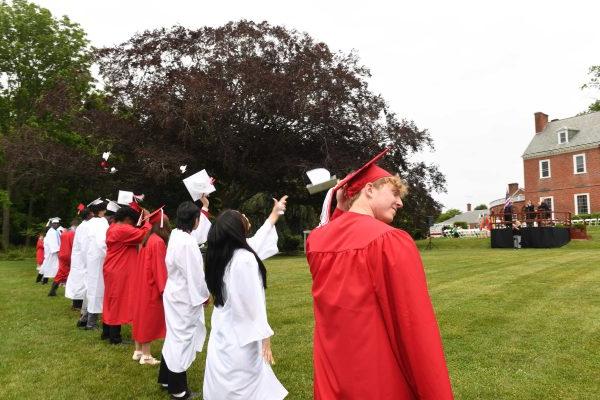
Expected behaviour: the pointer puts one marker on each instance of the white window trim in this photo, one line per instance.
(566, 132)
(575, 164)
(551, 200)
(549, 169)
(587, 195)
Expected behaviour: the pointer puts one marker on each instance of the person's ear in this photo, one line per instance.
(369, 190)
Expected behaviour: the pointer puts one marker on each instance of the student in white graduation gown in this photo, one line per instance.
(183, 300)
(94, 260)
(239, 348)
(51, 248)
(75, 287)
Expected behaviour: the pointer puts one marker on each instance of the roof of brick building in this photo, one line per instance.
(583, 133)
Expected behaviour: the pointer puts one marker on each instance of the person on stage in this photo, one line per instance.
(39, 256)
(94, 260)
(51, 248)
(64, 257)
(376, 334)
(122, 240)
(149, 279)
(183, 300)
(239, 348)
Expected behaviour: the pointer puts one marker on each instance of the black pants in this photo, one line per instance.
(105, 332)
(176, 381)
(114, 333)
(77, 304)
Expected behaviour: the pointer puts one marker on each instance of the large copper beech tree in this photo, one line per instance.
(258, 105)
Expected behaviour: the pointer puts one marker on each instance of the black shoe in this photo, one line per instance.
(52, 291)
(81, 324)
(39, 278)
(44, 281)
(187, 395)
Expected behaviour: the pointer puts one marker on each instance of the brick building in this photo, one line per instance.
(562, 163)
(517, 195)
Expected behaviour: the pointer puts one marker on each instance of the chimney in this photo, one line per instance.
(541, 121)
(512, 188)
(468, 207)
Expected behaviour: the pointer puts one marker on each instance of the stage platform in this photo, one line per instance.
(534, 237)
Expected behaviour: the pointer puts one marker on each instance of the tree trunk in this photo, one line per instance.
(6, 212)
(29, 218)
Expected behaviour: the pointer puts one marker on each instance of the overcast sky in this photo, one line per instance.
(471, 73)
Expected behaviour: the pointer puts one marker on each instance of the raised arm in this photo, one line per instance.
(264, 241)
(201, 232)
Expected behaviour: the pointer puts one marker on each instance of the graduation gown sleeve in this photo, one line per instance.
(264, 241)
(401, 291)
(159, 269)
(39, 253)
(247, 298)
(197, 289)
(201, 232)
(53, 237)
(131, 235)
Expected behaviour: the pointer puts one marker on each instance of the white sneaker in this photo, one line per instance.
(137, 355)
(148, 360)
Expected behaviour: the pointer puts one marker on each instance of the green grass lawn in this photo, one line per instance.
(516, 325)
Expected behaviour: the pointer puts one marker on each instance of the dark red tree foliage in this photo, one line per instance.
(257, 105)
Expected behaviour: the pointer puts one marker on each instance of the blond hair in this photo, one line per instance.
(399, 186)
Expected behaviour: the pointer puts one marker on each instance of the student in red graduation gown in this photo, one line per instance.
(39, 256)
(376, 334)
(122, 240)
(149, 281)
(64, 257)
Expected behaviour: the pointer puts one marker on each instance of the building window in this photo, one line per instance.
(579, 164)
(544, 168)
(582, 203)
(549, 201)
(563, 136)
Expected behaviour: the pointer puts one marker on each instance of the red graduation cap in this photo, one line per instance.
(80, 208)
(355, 181)
(369, 172)
(157, 215)
(136, 207)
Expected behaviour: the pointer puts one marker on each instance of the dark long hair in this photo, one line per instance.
(227, 234)
(164, 233)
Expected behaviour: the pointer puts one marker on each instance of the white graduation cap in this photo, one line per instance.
(321, 180)
(199, 184)
(95, 202)
(53, 220)
(105, 155)
(183, 168)
(125, 197)
(112, 206)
